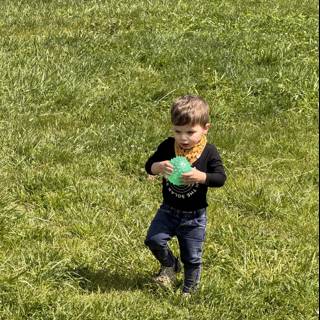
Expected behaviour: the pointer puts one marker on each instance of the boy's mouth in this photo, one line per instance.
(184, 145)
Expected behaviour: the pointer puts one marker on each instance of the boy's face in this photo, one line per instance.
(188, 136)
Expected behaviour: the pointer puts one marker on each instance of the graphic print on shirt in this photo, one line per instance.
(183, 191)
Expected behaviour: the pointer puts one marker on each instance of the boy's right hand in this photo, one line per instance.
(164, 168)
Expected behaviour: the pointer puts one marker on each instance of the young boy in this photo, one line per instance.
(183, 211)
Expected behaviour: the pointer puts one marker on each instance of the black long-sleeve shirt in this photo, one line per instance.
(189, 197)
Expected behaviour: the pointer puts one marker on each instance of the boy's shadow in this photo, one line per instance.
(105, 280)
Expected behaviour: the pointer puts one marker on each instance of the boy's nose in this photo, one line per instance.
(184, 138)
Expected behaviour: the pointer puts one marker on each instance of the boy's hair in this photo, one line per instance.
(190, 110)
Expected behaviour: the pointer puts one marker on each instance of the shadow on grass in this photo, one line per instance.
(105, 280)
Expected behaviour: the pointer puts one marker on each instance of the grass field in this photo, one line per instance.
(85, 91)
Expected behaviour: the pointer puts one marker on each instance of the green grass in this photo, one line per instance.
(85, 91)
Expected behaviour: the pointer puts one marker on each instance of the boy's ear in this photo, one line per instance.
(206, 127)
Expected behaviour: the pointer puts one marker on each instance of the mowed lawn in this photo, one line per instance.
(85, 92)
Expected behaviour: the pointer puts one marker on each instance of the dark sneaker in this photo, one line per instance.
(168, 275)
(188, 291)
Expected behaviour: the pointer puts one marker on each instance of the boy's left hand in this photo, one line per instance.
(194, 176)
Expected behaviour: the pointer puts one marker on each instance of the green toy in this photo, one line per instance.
(180, 165)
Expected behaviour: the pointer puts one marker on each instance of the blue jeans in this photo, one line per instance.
(190, 228)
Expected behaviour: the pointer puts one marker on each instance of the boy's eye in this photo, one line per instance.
(190, 132)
